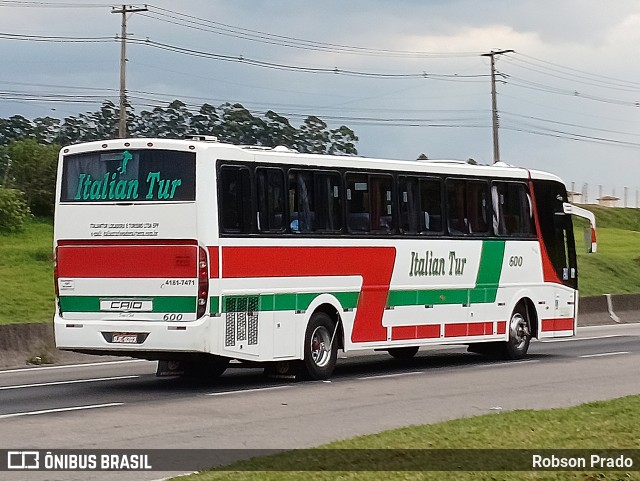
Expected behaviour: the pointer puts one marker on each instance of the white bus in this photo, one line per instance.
(194, 253)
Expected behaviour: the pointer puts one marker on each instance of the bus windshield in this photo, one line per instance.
(129, 176)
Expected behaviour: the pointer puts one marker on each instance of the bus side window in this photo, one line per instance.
(301, 205)
(358, 202)
(468, 207)
(456, 207)
(234, 194)
(328, 201)
(271, 199)
(430, 206)
(477, 206)
(381, 203)
(409, 203)
(512, 211)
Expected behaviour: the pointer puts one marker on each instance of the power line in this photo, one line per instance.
(34, 4)
(531, 85)
(297, 68)
(191, 21)
(574, 78)
(55, 39)
(559, 67)
(246, 60)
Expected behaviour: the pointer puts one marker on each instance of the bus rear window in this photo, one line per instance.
(129, 176)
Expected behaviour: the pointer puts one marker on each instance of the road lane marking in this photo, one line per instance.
(65, 366)
(73, 381)
(575, 339)
(507, 363)
(240, 391)
(603, 354)
(383, 376)
(59, 410)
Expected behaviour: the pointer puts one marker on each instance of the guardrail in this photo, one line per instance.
(609, 309)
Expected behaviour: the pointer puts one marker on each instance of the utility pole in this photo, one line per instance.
(124, 9)
(494, 102)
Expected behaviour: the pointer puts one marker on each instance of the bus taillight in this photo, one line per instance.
(55, 280)
(203, 282)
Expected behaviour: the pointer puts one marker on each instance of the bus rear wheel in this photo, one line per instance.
(519, 334)
(320, 347)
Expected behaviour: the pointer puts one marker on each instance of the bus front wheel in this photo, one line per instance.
(519, 334)
(320, 346)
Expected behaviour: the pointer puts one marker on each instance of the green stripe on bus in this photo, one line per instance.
(160, 304)
(292, 301)
(489, 272)
(214, 304)
(427, 297)
(491, 261)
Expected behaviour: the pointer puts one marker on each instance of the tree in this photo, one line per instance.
(33, 171)
(231, 123)
(206, 121)
(422, 157)
(343, 141)
(313, 136)
(71, 131)
(278, 131)
(45, 129)
(14, 211)
(14, 128)
(103, 124)
(239, 126)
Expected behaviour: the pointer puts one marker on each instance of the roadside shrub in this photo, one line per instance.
(14, 211)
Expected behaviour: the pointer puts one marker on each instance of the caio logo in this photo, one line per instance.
(126, 305)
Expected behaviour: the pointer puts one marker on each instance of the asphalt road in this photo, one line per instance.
(122, 405)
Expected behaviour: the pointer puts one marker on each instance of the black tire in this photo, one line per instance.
(403, 352)
(519, 329)
(320, 353)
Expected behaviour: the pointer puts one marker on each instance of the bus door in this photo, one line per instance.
(559, 256)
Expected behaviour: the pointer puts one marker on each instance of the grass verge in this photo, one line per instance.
(26, 274)
(594, 426)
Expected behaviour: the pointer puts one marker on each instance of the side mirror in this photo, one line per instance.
(589, 232)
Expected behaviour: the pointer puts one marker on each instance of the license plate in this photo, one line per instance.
(124, 338)
(126, 305)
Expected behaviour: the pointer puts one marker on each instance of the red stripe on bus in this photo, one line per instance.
(214, 268)
(127, 261)
(455, 330)
(501, 327)
(565, 324)
(468, 329)
(373, 264)
(415, 332)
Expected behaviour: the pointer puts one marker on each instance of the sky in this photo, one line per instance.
(407, 76)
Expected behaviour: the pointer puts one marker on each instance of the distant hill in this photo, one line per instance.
(615, 267)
